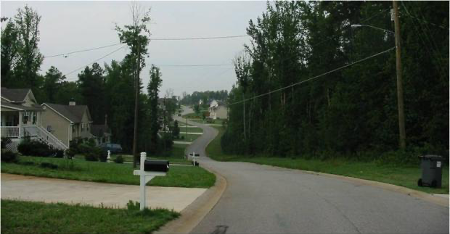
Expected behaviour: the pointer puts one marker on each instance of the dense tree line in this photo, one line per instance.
(108, 92)
(195, 97)
(350, 111)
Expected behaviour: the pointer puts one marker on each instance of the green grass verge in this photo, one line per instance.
(182, 130)
(178, 176)
(405, 176)
(38, 217)
(188, 137)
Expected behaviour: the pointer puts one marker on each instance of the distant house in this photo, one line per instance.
(102, 133)
(22, 116)
(67, 122)
(217, 110)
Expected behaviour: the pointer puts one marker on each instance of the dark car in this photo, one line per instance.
(114, 148)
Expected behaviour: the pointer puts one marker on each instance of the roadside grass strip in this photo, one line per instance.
(39, 217)
(405, 176)
(188, 137)
(178, 176)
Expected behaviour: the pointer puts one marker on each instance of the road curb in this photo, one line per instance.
(394, 188)
(193, 214)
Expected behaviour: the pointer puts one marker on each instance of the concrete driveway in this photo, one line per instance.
(265, 199)
(30, 188)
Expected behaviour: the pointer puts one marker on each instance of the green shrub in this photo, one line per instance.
(70, 153)
(59, 153)
(102, 154)
(91, 156)
(9, 156)
(119, 159)
(35, 148)
(84, 148)
(5, 142)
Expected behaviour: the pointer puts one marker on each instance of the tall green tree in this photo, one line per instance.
(9, 53)
(153, 95)
(52, 83)
(91, 82)
(29, 58)
(137, 37)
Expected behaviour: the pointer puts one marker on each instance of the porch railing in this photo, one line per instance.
(43, 135)
(10, 131)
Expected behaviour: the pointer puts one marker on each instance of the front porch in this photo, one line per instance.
(13, 122)
(17, 125)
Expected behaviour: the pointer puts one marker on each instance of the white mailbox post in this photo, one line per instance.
(193, 157)
(145, 177)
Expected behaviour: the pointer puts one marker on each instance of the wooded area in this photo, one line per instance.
(334, 112)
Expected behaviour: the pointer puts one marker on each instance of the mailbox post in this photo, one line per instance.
(193, 157)
(148, 170)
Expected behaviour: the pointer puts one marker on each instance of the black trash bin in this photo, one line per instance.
(431, 166)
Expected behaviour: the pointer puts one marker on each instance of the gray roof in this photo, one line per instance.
(15, 95)
(73, 113)
(99, 130)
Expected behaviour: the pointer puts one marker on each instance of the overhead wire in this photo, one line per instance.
(151, 39)
(313, 78)
(194, 65)
(110, 53)
(80, 51)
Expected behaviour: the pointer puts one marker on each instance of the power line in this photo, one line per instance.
(80, 51)
(95, 60)
(197, 38)
(151, 39)
(194, 65)
(313, 78)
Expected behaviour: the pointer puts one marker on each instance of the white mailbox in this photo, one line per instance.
(145, 177)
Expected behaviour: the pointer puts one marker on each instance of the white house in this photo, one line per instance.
(217, 111)
(21, 116)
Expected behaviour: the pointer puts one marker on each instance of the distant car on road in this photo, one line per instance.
(114, 148)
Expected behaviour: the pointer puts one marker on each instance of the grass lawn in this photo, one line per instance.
(38, 217)
(188, 137)
(178, 176)
(405, 176)
(182, 130)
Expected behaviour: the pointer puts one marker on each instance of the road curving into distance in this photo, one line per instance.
(266, 199)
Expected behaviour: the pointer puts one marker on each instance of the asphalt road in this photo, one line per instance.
(264, 199)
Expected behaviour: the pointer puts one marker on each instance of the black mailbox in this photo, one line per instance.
(195, 155)
(156, 165)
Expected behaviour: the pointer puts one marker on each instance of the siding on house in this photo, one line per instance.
(60, 127)
(221, 112)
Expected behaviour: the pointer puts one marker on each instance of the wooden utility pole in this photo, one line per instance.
(135, 154)
(401, 112)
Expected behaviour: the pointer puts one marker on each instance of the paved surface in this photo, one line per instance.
(31, 188)
(265, 199)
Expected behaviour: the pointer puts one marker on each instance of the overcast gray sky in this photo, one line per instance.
(71, 26)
